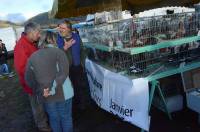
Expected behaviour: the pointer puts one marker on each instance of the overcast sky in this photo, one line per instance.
(21, 10)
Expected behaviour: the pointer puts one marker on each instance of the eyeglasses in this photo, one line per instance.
(64, 28)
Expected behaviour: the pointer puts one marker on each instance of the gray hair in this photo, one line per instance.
(31, 26)
(47, 37)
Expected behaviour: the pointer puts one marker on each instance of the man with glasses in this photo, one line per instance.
(70, 42)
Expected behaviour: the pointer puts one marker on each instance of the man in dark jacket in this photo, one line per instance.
(3, 53)
(49, 68)
(3, 59)
(71, 43)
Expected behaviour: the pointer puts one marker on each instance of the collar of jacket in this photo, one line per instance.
(24, 37)
(51, 46)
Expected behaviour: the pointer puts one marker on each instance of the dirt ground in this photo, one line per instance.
(15, 111)
(15, 115)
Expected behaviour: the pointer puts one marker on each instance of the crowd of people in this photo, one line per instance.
(49, 67)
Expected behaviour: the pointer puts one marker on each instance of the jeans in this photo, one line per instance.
(60, 115)
(4, 69)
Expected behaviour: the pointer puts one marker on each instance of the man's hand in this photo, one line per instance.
(46, 92)
(68, 44)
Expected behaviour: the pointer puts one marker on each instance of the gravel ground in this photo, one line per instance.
(16, 116)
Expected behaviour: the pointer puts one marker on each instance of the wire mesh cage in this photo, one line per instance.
(147, 63)
(108, 34)
(161, 28)
(139, 32)
(142, 46)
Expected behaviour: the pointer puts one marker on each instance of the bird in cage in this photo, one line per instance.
(183, 52)
(133, 41)
(134, 69)
(181, 30)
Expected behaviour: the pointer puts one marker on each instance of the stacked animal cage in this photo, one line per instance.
(141, 46)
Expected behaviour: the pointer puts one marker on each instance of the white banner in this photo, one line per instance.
(126, 98)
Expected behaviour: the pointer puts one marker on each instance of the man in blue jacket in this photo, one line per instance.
(71, 43)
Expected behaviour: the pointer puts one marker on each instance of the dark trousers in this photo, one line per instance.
(81, 91)
(39, 114)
